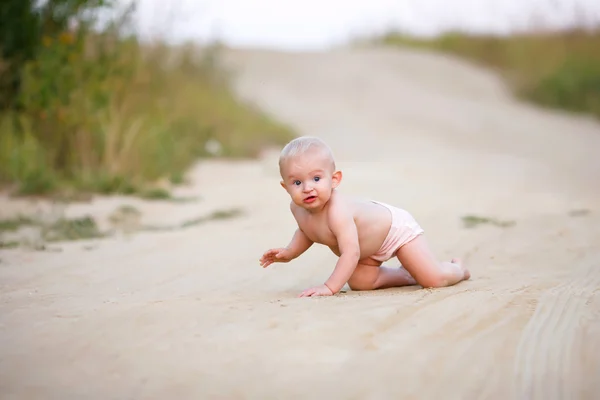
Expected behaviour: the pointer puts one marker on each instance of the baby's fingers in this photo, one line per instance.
(307, 293)
(270, 253)
(267, 255)
(265, 260)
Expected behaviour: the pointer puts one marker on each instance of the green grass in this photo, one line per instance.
(126, 219)
(104, 113)
(217, 215)
(13, 224)
(473, 221)
(560, 70)
(64, 229)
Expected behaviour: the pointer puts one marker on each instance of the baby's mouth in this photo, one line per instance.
(310, 199)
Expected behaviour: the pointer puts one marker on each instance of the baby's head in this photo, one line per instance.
(308, 173)
(306, 147)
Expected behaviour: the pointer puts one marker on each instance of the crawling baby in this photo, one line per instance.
(362, 233)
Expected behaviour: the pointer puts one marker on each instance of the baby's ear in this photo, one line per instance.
(282, 185)
(337, 178)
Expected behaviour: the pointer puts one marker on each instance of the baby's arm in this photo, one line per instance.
(298, 245)
(341, 223)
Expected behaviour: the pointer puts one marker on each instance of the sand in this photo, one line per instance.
(190, 313)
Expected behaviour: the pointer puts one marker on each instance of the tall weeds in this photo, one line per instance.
(101, 111)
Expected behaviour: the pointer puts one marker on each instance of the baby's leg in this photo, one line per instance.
(420, 262)
(370, 276)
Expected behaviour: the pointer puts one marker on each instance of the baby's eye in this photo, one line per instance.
(317, 178)
(297, 183)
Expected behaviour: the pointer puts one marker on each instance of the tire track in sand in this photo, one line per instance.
(548, 362)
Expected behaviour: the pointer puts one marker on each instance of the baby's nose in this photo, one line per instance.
(307, 187)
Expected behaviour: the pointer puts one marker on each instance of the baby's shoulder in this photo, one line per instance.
(294, 208)
(298, 212)
(341, 206)
(358, 207)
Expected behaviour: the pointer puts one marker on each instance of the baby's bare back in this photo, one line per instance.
(372, 221)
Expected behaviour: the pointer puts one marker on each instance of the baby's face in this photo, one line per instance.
(309, 179)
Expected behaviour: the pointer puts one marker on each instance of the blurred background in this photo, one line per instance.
(107, 107)
(122, 96)
(316, 25)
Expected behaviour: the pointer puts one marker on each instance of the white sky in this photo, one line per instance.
(317, 24)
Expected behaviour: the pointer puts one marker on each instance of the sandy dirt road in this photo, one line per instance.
(190, 314)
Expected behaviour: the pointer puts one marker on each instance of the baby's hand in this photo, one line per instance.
(321, 290)
(275, 255)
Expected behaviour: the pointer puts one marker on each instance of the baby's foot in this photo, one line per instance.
(407, 276)
(459, 262)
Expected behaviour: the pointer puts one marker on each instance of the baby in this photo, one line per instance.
(362, 233)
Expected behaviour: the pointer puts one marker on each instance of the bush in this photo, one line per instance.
(101, 111)
(574, 86)
(558, 69)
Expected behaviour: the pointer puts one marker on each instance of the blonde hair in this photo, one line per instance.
(304, 144)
